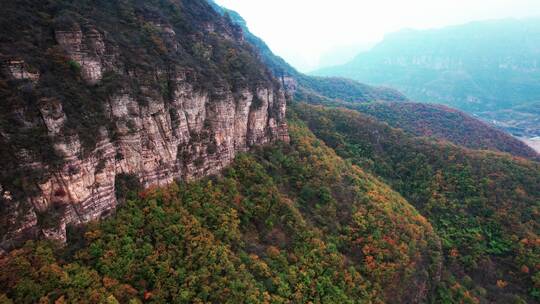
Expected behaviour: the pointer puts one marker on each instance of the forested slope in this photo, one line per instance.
(288, 224)
(377, 203)
(305, 87)
(483, 205)
(446, 124)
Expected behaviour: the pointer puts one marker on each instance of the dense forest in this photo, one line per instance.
(483, 205)
(441, 122)
(297, 223)
(291, 223)
(373, 200)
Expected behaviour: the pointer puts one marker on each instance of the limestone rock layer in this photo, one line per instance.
(181, 130)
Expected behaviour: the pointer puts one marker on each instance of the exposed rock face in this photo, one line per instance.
(87, 50)
(191, 134)
(190, 138)
(17, 69)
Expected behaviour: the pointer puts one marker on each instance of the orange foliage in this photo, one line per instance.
(502, 284)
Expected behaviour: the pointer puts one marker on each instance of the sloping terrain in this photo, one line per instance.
(91, 91)
(292, 223)
(479, 66)
(447, 124)
(147, 153)
(488, 68)
(306, 87)
(483, 205)
(420, 119)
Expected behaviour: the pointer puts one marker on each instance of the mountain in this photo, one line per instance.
(483, 205)
(145, 90)
(456, 127)
(444, 123)
(480, 67)
(289, 223)
(152, 152)
(423, 120)
(309, 87)
(439, 122)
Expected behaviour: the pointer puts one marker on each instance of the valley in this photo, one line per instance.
(157, 151)
(486, 68)
(533, 143)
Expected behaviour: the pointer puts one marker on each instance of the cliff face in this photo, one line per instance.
(158, 124)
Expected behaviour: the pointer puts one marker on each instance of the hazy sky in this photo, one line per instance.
(308, 33)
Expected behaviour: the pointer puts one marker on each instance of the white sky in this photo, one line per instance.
(303, 31)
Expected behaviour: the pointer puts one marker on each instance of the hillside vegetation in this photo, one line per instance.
(369, 202)
(444, 123)
(483, 205)
(288, 224)
(437, 122)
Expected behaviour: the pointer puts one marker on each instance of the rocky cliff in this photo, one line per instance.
(155, 112)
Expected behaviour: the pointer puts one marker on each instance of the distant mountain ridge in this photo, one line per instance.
(309, 87)
(476, 67)
(151, 155)
(422, 120)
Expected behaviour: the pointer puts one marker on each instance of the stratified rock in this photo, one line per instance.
(19, 70)
(188, 133)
